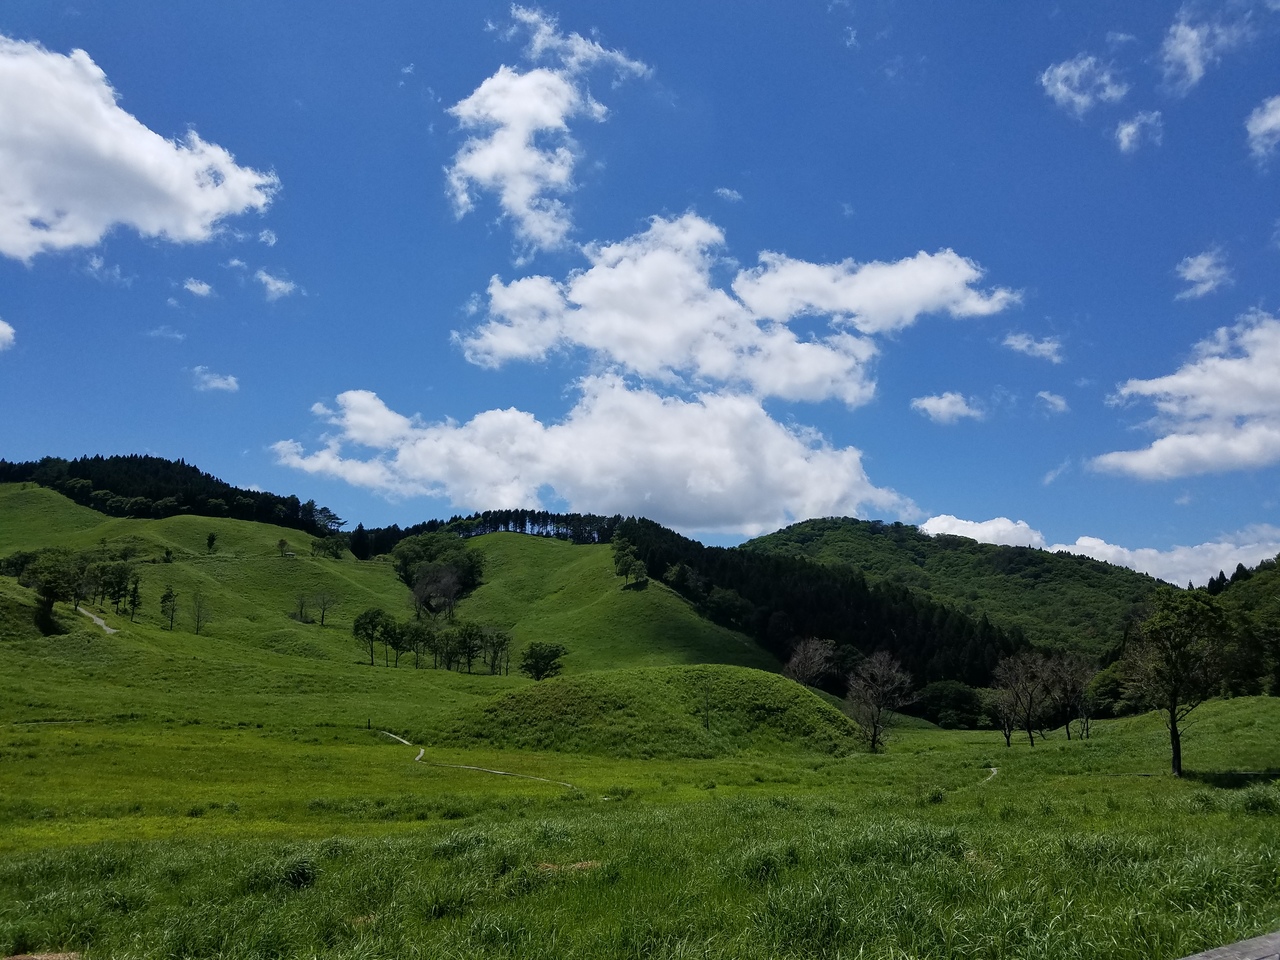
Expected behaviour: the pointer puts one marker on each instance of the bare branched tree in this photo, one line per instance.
(1022, 679)
(811, 658)
(199, 610)
(878, 689)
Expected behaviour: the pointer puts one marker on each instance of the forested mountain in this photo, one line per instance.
(1057, 599)
(779, 597)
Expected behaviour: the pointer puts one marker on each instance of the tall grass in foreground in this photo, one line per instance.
(741, 877)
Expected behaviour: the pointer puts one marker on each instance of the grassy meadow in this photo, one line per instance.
(231, 795)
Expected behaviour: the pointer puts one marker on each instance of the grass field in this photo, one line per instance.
(163, 795)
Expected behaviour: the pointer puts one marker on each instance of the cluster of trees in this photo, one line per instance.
(625, 562)
(452, 647)
(573, 527)
(1183, 652)
(144, 486)
(62, 575)
(99, 577)
(439, 569)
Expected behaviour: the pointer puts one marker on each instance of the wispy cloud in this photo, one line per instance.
(1190, 48)
(947, 407)
(727, 193)
(1049, 348)
(167, 332)
(206, 379)
(197, 288)
(1206, 272)
(1053, 402)
(1144, 127)
(1080, 83)
(276, 287)
(1263, 128)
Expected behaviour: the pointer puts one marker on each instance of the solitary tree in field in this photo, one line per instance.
(283, 546)
(199, 610)
(168, 604)
(325, 600)
(211, 542)
(878, 689)
(1176, 660)
(541, 660)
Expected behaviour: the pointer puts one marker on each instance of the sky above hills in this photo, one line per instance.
(1008, 271)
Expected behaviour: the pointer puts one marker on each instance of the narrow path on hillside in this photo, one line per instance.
(98, 620)
(462, 766)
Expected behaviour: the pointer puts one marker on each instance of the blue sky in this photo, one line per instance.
(1001, 270)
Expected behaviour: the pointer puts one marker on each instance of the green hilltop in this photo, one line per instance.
(1058, 599)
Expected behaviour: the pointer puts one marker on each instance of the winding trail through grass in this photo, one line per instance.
(992, 775)
(98, 620)
(463, 766)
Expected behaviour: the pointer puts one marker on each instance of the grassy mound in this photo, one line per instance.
(552, 591)
(662, 712)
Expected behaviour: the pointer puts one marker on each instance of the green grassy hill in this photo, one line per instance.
(661, 712)
(539, 589)
(1056, 598)
(166, 795)
(550, 590)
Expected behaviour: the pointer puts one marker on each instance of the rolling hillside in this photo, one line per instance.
(1057, 599)
(537, 588)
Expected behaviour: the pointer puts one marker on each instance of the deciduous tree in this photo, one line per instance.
(1175, 661)
(541, 660)
(878, 689)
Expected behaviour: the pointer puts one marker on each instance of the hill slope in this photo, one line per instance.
(549, 590)
(1057, 599)
(537, 588)
(664, 712)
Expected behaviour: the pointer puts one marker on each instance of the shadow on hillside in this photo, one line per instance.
(1232, 780)
(636, 585)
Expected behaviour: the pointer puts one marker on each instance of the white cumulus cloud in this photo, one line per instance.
(520, 147)
(1263, 127)
(75, 164)
(1206, 272)
(275, 287)
(197, 288)
(1146, 126)
(7, 335)
(206, 379)
(716, 462)
(947, 407)
(1049, 348)
(650, 305)
(1001, 530)
(1220, 411)
(1078, 84)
